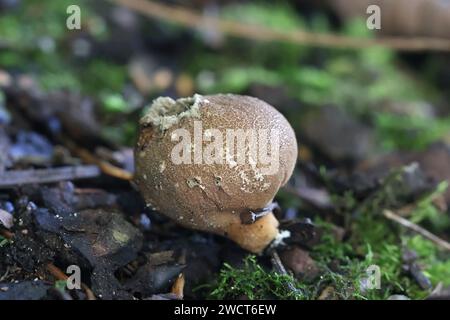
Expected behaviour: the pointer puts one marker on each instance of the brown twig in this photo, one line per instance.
(104, 166)
(58, 274)
(194, 20)
(416, 228)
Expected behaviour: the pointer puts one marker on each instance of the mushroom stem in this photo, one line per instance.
(254, 237)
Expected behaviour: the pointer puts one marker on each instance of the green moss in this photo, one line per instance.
(439, 271)
(388, 240)
(426, 211)
(101, 75)
(436, 265)
(60, 285)
(114, 102)
(280, 17)
(51, 81)
(373, 240)
(347, 278)
(238, 79)
(408, 132)
(329, 248)
(24, 28)
(253, 282)
(373, 236)
(3, 241)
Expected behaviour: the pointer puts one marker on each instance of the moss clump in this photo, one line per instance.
(60, 285)
(3, 241)
(426, 211)
(253, 282)
(375, 241)
(435, 264)
(345, 265)
(372, 240)
(409, 132)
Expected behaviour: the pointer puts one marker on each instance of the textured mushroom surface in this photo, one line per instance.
(214, 190)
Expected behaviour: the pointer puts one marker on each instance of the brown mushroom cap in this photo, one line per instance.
(212, 196)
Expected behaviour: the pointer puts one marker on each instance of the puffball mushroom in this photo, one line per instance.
(208, 161)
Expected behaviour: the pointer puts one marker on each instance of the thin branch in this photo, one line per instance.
(195, 20)
(104, 166)
(416, 228)
(14, 178)
(280, 269)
